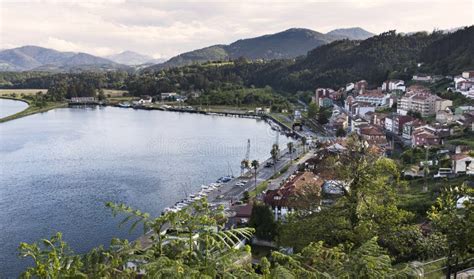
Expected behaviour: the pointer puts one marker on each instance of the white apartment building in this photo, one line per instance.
(376, 99)
(423, 102)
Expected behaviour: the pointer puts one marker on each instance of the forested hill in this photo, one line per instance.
(450, 54)
(290, 43)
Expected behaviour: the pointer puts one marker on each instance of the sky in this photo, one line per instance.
(165, 28)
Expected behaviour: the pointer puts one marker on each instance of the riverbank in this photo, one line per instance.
(30, 109)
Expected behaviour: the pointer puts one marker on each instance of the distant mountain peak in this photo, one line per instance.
(40, 58)
(132, 58)
(351, 33)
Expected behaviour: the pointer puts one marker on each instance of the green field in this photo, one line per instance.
(20, 92)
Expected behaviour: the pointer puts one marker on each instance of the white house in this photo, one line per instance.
(168, 95)
(349, 86)
(373, 98)
(463, 163)
(424, 78)
(389, 124)
(392, 85)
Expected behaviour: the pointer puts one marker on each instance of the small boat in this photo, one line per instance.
(125, 105)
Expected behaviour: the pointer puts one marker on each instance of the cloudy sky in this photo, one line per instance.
(166, 28)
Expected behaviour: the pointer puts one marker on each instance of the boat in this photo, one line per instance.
(125, 105)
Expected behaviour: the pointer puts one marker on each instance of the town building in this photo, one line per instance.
(373, 135)
(462, 164)
(360, 86)
(325, 97)
(409, 127)
(83, 99)
(425, 136)
(422, 77)
(374, 98)
(422, 101)
(169, 96)
(286, 198)
(399, 121)
(393, 85)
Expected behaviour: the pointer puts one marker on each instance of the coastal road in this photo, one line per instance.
(231, 193)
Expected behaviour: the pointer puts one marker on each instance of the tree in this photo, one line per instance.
(101, 95)
(263, 222)
(255, 164)
(323, 116)
(290, 149)
(303, 142)
(453, 216)
(275, 153)
(313, 110)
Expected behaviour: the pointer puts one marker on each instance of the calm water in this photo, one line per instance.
(59, 168)
(9, 107)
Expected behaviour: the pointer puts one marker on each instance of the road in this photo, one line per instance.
(230, 192)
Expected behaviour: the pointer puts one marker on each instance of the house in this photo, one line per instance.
(340, 121)
(399, 121)
(83, 99)
(409, 127)
(374, 98)
(468, 74)
(462, 163)
(287, 198)
(373, 135)
(378, 119)
(360, 87)
(445, 116)
(393, 85)
(388, 123)
(358, 122)
(425, 136)
(241, 214)
(349, 87)
(325, 97)
(144, 100)
(169, 96)
(422, 78)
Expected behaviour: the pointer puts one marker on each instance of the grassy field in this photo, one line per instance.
(114, 93)
(20, 92)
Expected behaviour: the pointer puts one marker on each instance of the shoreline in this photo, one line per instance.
(33, 110)
(30, 110)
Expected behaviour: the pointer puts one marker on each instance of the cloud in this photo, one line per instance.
(167, 28)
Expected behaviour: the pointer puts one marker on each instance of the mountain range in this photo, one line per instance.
(132, 58)
(287, 44)
(44, 59)
(290, 43)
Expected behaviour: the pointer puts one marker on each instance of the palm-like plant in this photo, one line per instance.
(290, 149)
(274, 153)
(255, 164)
(303, 142)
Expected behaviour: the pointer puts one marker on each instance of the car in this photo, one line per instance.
(268, 164)
(240, 184)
